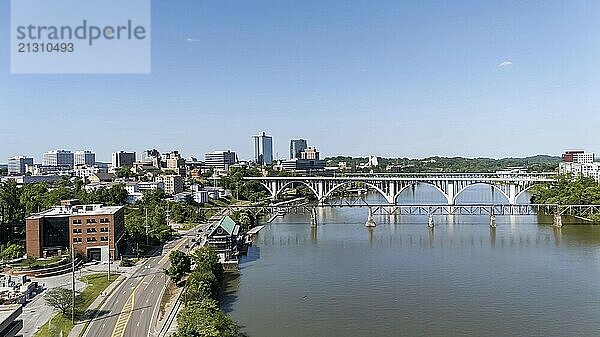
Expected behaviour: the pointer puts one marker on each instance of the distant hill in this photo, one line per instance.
(535, 163)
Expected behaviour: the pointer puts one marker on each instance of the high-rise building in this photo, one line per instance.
(296, 147)
(17, 164)
(84, 158)
(122, 158)
(58, 158)
(220, 159)
(263, 149)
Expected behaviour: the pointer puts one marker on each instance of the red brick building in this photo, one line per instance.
(91, 229)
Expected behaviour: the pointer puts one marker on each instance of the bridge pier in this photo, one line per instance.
(370, 221)
(557, 220)
(313, 218)
(450, 193)
(492, 221)
(512, 194)
(430, 221)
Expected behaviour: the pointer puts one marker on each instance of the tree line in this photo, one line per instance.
(567, 190)
(202, 277)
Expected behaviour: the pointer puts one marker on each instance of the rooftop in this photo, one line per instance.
(90, 209)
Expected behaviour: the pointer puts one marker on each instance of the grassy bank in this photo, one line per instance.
(96, 283)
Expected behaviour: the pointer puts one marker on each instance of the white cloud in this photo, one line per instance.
(504, 64)
(191, 39)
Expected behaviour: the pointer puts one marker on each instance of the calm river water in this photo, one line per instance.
(525, 278)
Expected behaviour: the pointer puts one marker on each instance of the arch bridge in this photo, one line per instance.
(390, 186)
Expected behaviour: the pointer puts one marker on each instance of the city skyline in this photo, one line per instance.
(492, 79)
(277, 156)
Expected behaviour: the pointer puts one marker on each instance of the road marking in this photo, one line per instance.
(149, 282)
(174, 248)
(125, 315)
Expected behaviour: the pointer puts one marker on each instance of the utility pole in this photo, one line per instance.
(147, 227)
(109, 253)
(73, 283)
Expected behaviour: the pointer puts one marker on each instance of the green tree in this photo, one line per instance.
(180, 265)
(207, 259)
(60, 299)
(200, 284)
(204, 319)
(54, 196)
(10, 202)
(124, 172)
(13, 251)
(32, 197)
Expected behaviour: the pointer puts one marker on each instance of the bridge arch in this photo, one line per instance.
(290, 183)
(442, 192)
(480, 183)
(523, 191)
(336, 187)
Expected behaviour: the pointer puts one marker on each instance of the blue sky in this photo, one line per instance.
(389, 78)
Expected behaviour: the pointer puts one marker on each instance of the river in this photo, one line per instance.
(524, 278)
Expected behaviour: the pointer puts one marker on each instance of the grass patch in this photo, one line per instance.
(37, 264)
(189, 225)
(169, 293)
(96, 283)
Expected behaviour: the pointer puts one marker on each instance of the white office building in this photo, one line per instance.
(18, 164)
(220, 159)
(58, 158)
(84, 158)
(580, 163)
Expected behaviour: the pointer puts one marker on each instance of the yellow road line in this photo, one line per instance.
(174, 248)
(125, 314)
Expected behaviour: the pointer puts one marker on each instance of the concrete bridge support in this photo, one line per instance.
(512, 194)
(492, 221)
(450, 193)
(313, 218)
(370, 221)
(558, 221)
(430, 221)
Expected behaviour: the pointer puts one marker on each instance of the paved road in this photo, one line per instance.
(132, 308)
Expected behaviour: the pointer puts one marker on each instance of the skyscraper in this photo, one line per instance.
(297, 146)
(263, 149)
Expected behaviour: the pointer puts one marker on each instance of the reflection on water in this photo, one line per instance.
(401, 278)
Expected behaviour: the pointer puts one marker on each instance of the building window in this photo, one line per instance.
(91, 230)
(77, 222)
(104, 238)
(92, 239)
(104, 220)
(103, 229)
(77, 230)
(91, 220)
(77, 240)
